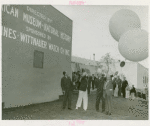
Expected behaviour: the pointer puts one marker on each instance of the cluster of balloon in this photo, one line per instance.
(133, 45)
(125, 27)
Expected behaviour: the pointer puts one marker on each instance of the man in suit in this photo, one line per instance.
(89, 83)
(78, 80)
(100, 84)
(67, 86)
(133, 92)
(124, 85)
(119, 82)
(114, 83)
(74, 80)
(108, 91)
(93, 81)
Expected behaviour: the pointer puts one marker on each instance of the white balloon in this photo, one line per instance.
(122, 21)
(133, 45)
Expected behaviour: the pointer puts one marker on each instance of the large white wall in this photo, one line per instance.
(129, 71)
(142, 73)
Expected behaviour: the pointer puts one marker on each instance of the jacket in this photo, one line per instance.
(93, 78)
(124, 84)
(89, 81)
(84, 84)
(133, 90)
(66, 84)
(100, 83)
(108, 87)
(114, 83)
(74, 78)
(119, 82)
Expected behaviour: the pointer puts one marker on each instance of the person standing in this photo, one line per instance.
(89, 83)
(124, 85)
(119, 82)
(83, 93)
(93, 81)
(99, 94)
(127, 91)
(73, 77)
(133, 92)
(108, 91)
(79, 79)
(114, 85)
(74, 80)
(116, 91)
(66, 85)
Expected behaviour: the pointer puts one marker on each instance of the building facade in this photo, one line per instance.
(36, 49)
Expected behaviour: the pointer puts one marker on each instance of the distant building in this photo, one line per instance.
(79, 63)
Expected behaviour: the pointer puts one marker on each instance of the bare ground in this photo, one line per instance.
(123, 109)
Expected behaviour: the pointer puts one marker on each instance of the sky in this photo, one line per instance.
(91, 29)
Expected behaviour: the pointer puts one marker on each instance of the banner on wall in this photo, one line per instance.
(36, 49)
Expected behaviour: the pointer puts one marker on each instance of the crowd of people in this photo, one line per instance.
(107, 86)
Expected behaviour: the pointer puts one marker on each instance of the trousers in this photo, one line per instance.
(108, 96)
(127, 94)
(132, 95)
(98, 98)
(119, 91)
(89, 90)
(93, 84)
(82, 96)
(67, 98)
(123, 91)
(116, 92)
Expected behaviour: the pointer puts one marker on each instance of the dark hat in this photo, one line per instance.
(111, 75)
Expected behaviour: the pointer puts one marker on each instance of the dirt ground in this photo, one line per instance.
(123, 109)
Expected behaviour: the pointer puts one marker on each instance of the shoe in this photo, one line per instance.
(103, 111)
(69, 108)
(76, 108)
(109, 113)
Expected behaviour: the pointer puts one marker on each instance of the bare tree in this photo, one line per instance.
(107, 60)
